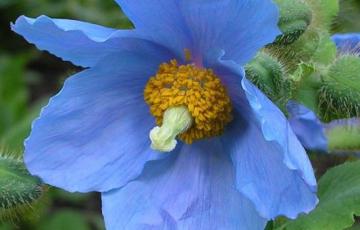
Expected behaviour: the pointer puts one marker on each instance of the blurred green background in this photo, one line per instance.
(29, 77)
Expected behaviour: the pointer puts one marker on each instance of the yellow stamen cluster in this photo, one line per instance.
(200, 90)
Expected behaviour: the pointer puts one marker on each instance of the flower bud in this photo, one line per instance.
(19, 190)
(295, 17)
(340, 93)
(267, 73)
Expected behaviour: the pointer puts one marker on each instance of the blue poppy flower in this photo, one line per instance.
(233, 161)
(347, 43)
(307, 127)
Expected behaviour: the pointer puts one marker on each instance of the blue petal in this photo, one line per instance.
(93, 136)
(272, 167)
(160, 21)
(191, 190)
(82, 43)
(347, 43)
(240, 28)
(307, 127)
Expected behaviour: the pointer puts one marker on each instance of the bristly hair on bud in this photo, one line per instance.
(314, 45)
(340, 94)
(19, 191)
(269, 75)
(325, 12)
(295, 17)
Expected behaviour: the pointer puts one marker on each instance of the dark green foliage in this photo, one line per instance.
(27, 78)
(339, 194)
(66, 219)
(13, 92)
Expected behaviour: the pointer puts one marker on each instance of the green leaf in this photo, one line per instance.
(18, 189)
(339, 194)
(98, 221)
(5, 226)
(66, 219)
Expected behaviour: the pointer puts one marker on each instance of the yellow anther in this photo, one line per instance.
(197, 89)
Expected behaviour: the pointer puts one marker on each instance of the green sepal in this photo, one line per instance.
(340, 93)
(325, 52)
(295, 17)
(268, 74)
(307, 84)
(18, 189)
(339, 195)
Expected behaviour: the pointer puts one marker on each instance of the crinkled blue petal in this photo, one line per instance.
(307, 127)
(272, 168)
(191, 190)
(347, 43)
(93, 136)
(82, 43)
(240, 28)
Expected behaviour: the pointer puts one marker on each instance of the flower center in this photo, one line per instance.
(188, 102)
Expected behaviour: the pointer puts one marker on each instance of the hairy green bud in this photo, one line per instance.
(312, 48)
(295, 17)
(267, 73)
(325, 12)
(18, 189)
(340, 94)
